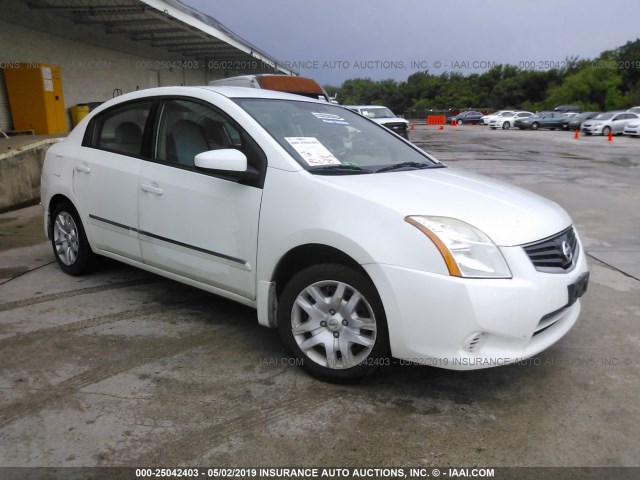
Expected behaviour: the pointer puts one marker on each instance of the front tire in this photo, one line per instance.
(331, 320)
(535, 126)
(69, 241)
(460, 122)
(506, 126)
(606, 131)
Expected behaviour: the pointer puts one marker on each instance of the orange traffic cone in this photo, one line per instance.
(413, 127)
(610, 136)
(577, 135)
(441, 127)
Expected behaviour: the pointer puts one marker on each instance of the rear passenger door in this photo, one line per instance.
(193, 223)
(105, 177)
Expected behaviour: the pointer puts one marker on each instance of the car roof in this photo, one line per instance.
(229, 92)
(365, 106)
(246, 92)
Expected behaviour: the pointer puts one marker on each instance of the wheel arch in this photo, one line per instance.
(294, 260)
(56, 200)
(304, 256)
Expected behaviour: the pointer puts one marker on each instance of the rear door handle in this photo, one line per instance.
(83, 169)
(151, 189)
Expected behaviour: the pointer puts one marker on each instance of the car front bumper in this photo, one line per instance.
(632, 131)
(597, 130)
(467, 324)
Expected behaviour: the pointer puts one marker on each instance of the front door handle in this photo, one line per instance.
(151, 189)
(83, 169)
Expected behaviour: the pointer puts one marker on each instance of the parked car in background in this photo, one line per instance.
(351, 242)
(550, 120)
(634, 110)
(574, 123)
(383, 116)
(567, 108)
(609, 122)
(471, 117)
(567, 117)
(632, 129)
(507, 121)
(486, 119)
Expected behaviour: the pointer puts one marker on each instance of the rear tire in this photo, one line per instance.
(69, 241)
(331, 320)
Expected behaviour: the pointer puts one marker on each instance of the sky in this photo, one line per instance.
(334, 40)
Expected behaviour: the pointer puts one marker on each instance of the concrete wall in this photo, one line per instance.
(93, 63)
(90, 73)
(20, 174)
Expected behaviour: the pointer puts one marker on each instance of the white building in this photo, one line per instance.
(108, 47)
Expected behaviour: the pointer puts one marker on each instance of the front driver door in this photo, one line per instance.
(192, 223)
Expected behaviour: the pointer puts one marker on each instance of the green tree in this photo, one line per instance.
(610, 81)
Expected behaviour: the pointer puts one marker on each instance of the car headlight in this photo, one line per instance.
(597, 124)
(467, 251)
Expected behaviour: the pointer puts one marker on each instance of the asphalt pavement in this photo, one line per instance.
(125, 368)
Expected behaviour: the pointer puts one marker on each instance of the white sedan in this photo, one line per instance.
(506, 121)
(632, 129)
(356, 245)
(609, 123)
(486, 120)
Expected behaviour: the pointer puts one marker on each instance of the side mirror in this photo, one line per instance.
(225, 160)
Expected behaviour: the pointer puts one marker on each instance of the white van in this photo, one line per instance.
(281, 83)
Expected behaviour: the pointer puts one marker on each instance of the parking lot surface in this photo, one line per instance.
(125, 368)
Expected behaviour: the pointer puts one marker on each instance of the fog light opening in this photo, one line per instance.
(474, 342)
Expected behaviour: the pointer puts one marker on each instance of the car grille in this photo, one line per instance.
(396, 127)
(556, 254)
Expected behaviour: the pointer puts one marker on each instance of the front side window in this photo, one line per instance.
(188, 128)
(324, 138)
(120, 129)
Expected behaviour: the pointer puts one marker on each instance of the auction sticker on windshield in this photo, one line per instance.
(312, 151)
(330, 118)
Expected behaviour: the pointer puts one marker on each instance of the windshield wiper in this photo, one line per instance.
(338, 169)
(407, 165)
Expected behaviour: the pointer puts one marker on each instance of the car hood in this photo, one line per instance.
(384, 121)
(507, 214)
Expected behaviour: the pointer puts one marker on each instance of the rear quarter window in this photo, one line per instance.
(120, 129)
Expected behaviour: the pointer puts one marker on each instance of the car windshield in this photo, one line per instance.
(333, 140)
(377, 112)
(506, 114)
(582, 116)
(603, 116)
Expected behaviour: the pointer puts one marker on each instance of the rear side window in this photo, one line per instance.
(120, 129)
